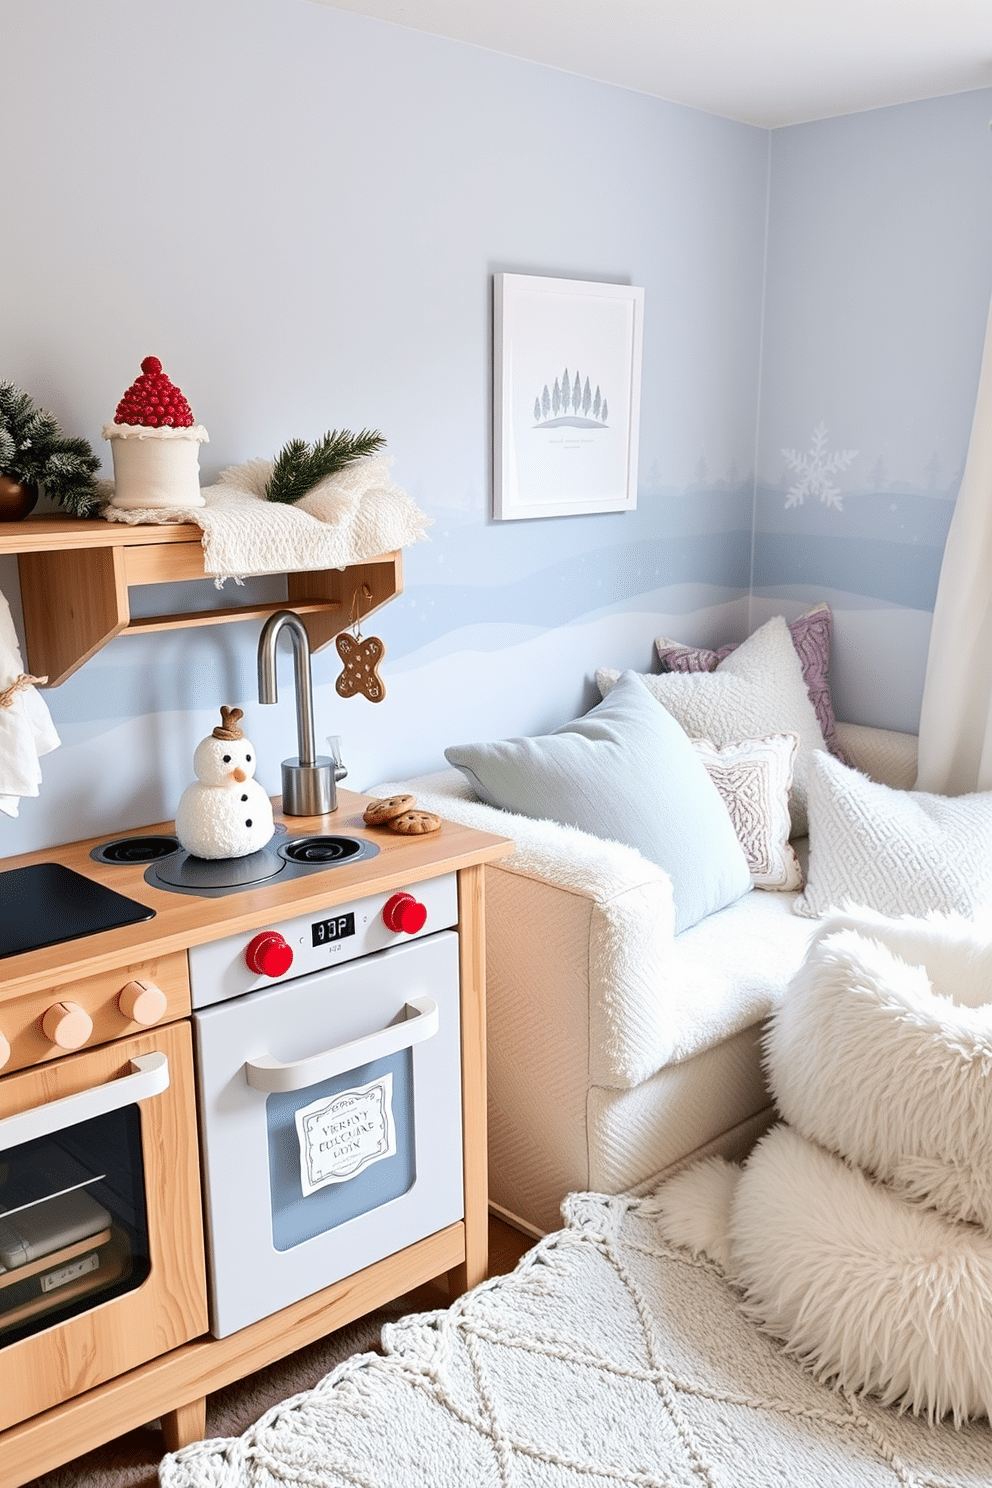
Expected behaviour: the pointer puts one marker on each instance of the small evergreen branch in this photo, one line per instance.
(300, 466)
(34, 452)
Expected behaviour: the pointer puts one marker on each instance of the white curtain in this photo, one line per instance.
(956, 718)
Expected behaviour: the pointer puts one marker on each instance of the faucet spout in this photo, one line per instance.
(308, 782)
(268, 690)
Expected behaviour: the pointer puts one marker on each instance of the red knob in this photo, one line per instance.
(270, 954)
(403, 912)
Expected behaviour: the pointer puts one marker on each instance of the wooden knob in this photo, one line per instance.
(142, 1002)
(4, 1051)
(67, 1025)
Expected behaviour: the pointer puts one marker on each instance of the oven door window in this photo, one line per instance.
(73, 1225)
(340, 1149)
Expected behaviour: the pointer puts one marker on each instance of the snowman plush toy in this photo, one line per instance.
(225, 813)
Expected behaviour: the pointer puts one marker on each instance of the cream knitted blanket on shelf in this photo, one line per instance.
(351, 516)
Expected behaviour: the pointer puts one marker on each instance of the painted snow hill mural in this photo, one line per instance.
(814, 309)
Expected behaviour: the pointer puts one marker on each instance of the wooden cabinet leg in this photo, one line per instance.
(185, 1425)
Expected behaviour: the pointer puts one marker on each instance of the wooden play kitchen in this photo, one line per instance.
(114, 1034)
(76, 1384)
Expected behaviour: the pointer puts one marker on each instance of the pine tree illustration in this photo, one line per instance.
(814, 469)
(545, 401)
(586, 399)
(576, 394)
(597, 403)
(604, 412)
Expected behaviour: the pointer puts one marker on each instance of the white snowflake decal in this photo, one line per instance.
(813, 469)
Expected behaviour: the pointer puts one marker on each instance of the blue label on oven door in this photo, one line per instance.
(340, 1148)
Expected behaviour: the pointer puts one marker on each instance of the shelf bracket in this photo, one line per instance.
(74, 602)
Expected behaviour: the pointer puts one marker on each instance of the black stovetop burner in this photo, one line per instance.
(135, 850)
(46, 904)
(170, 867)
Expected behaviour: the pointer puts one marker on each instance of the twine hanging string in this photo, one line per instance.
(18, 685)
(360, 658)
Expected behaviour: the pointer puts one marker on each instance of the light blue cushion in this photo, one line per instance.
(625, 771)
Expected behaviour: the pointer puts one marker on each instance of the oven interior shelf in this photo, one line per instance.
(76, 576)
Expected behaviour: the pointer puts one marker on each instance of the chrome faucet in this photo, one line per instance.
(309, 783)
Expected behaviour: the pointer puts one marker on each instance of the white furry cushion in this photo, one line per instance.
(871, 1293)
(902, 852)
(759, 689)
(882, 1051)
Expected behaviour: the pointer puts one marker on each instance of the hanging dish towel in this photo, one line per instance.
(26, 728)
(350, 516)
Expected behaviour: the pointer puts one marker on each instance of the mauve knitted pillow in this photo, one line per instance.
(811, 637)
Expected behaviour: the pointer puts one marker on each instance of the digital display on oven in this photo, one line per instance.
(325, 932)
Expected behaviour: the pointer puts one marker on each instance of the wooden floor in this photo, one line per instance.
(506, 1246)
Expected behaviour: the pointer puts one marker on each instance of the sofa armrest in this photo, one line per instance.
(585, 926)
(881, 754)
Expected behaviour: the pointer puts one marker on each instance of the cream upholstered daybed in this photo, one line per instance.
(617, 1049)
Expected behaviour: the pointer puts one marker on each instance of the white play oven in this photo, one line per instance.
(328, 1075)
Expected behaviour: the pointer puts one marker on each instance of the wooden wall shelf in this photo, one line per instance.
(76, 575)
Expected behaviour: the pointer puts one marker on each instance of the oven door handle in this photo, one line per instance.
(271, 1075)
(149, 1076)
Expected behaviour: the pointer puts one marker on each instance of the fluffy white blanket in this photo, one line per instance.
(349, 517)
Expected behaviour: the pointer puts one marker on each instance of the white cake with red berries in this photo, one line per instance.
(155, 444)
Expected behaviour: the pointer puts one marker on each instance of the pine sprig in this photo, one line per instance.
(300, 466)
(34, 452)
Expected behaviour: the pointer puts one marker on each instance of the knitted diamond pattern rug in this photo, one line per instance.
(608, 1358)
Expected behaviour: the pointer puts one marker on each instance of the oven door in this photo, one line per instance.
(330, 1111)
(101, 1246)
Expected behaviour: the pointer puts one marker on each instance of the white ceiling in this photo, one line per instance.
(767, 62)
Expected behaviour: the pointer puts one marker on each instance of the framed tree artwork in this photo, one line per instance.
(567, 390)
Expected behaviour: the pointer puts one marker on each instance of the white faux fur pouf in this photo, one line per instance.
(873, 1294)
(882, 1052)
(871, 1261)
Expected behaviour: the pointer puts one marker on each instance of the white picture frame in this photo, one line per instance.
(552, 456)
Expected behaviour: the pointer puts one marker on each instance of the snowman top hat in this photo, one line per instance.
(228, 727)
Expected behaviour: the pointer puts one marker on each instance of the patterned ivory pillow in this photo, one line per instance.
(754, 778)
(811, 637)
(898, 852)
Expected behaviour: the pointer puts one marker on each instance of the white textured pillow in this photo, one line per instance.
(898, 852)
(754, 779)
(759, 689)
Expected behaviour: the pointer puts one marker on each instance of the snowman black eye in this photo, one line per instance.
(227, 759)
(247, 759)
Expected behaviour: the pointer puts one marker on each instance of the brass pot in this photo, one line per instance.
(16, 500)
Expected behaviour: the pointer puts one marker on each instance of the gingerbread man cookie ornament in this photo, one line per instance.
(361, 658)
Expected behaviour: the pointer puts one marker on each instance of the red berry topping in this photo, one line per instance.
(153, 400)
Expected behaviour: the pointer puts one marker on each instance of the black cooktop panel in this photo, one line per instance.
(46, 904)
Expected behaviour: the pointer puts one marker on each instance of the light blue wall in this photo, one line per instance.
(879, 277)
(300, 211)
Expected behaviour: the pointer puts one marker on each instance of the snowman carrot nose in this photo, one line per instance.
(239, 775)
